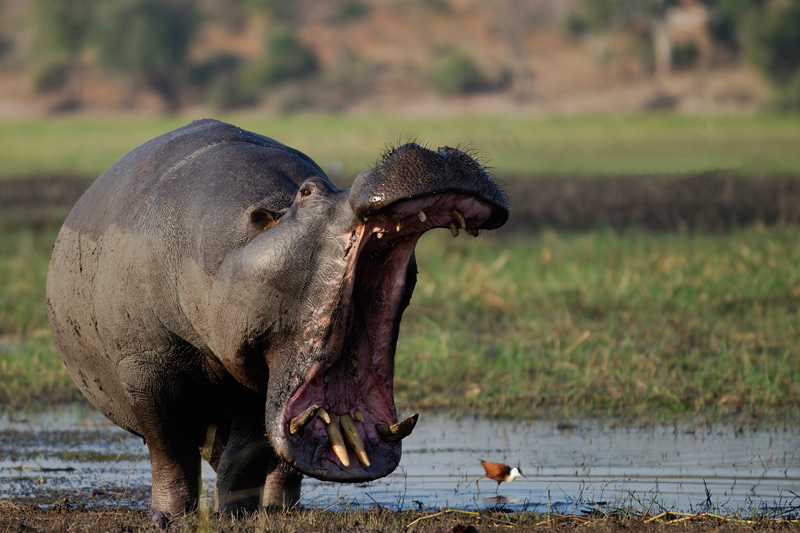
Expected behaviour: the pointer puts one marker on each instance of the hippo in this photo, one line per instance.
(213, 293)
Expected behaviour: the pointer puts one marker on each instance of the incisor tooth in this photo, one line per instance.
(399, 225)
(453, 229)
(379, 234)
(358, 415)
(323, 414)
(337, 442)
(302, 420)
(473, 231)
(353, 438)
(459, 218)
(421, 216)
(397, 431)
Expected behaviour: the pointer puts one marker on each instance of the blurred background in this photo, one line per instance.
(650, 270)
(439, 56)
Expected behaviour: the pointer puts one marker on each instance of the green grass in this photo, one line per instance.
(29, 364)
(345, 145)
(632, 325)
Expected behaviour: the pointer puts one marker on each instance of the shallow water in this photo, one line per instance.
(75, 452)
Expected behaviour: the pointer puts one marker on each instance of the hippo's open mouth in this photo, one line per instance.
(341, 422)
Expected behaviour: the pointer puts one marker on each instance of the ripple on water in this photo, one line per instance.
(75, 452)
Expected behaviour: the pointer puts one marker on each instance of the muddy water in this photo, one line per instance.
(75, 452)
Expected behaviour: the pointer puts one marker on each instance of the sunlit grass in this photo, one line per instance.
(633, 325)
(346, 144)
(29, 363)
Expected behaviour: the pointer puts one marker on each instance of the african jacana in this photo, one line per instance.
(499, 472)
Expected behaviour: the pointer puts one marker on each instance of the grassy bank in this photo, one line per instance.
(345, 145)
(63, 516)
(629, 325)
(636, 326)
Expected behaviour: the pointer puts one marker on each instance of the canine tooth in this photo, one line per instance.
(353, 438)
(453, 229)
(422, 216)
(302, 420)
(397, 431)
(459, 218)
(399, 225)
(324, 416)
(337, 443)
(473, 231)
(358, 416)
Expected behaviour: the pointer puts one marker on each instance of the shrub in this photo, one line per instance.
(348, 11)
(287, 59)
(787, 97)
(774, 42)
(459, 74)
(50, 78)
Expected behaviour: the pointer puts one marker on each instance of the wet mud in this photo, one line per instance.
(74, 453)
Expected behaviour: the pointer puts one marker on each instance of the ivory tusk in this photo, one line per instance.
(459, 218)
(453, 229)
(337, 442)
(323, 414)
(353, 438)
(397, 431)
(300, 421)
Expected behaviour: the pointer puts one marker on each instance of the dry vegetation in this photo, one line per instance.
(66, 516)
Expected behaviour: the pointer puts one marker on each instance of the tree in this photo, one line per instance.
(62, 34)
(287, 59)
(148, 40)
(774, 42)
(774, 48)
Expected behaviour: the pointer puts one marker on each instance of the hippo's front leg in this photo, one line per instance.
(282, 487)
(250, 473)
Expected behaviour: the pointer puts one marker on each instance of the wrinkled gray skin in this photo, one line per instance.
(215, 278)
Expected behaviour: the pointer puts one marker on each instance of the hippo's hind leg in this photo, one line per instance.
(250, 473)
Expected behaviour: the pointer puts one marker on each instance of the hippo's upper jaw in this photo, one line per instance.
(340, 423)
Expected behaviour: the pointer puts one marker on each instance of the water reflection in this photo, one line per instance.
(75, 452)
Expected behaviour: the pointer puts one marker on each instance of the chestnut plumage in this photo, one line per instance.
(499, 472)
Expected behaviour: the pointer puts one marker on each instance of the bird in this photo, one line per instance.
(499, 472)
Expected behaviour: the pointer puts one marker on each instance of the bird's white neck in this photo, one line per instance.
(514, 474)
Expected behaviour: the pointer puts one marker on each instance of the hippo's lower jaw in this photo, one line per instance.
(341, 424)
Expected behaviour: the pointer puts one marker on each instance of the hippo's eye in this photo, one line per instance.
(306, 191)
(261, 219)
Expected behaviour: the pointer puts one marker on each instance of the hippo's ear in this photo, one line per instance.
(261, 219)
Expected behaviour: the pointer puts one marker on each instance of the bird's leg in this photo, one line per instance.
(477, 486)
(498, 487)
